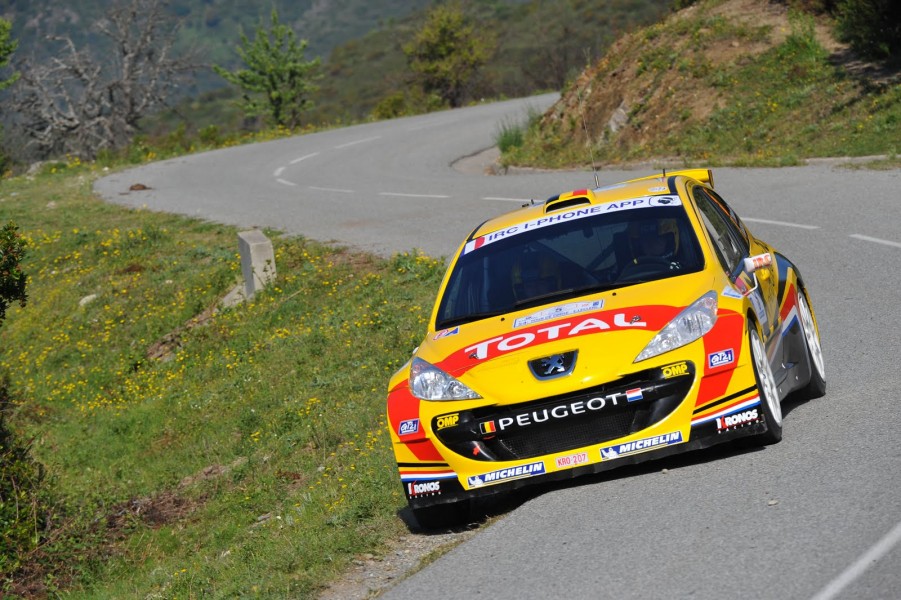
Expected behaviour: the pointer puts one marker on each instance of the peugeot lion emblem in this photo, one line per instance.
(555, 365)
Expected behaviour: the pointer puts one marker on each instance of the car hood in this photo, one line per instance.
(605, 331)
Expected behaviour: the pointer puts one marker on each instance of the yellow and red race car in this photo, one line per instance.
(600, 328)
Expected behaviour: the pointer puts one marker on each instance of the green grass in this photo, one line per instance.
(190, 452)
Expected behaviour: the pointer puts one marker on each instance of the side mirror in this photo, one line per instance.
(743, 283)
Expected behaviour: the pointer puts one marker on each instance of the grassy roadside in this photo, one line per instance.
(190, 452)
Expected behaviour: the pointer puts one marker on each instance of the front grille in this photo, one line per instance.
(570, 421)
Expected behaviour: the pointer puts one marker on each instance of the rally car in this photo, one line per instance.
(599, 328)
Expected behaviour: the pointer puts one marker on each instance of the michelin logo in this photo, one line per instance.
(506, 474)
(667, 439)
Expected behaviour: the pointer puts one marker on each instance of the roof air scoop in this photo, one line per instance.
(565, 203)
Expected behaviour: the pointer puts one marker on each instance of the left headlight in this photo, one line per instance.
(428, 382)
(689, 325)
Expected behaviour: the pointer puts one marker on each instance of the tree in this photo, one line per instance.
(7, 47)
(12, 279)
(278, 81)
(447, 52)
(78, 103)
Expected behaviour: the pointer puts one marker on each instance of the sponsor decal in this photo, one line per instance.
(446, 332)
(507, 343)
(557, 312)
(718, 359)
(572, 460)
(556, 365)
(529, 470)
(633, 395)
(737, 419)
(658, 188)
(487, 427)
(643, 445)
(571, 215)
(737, 407)
(447, 421)
(564, 411)
(423, 488)
(675, 370)
(408, 427)
(426, 475)
(731, 292)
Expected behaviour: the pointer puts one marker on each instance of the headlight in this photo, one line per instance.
(428, 382)
(689, 325)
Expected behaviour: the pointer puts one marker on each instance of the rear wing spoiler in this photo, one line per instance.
(702, 175)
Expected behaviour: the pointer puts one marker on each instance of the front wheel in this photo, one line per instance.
(770, 403)
(816, 387)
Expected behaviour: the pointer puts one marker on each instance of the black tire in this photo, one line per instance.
(770, 403)
(443, 516)
(816, 387)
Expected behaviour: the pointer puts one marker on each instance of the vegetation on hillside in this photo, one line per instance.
(722, 82)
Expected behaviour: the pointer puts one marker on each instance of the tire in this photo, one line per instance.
(816, 387)
(770, 403)
(443, 516)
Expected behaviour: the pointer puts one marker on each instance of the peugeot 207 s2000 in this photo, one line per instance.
(600, 328)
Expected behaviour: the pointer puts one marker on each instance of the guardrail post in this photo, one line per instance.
(257, 261)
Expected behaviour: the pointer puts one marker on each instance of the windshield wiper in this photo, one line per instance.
(565, 294)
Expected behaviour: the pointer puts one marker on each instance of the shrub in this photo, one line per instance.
(872, 27)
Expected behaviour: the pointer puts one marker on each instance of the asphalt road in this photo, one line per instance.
(816, 516)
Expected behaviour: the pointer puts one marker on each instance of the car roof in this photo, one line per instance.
(660, 184)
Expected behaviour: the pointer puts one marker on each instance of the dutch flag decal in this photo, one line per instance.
(634, 394)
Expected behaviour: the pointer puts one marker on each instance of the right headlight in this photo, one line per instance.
(689, 325)
(428, 382)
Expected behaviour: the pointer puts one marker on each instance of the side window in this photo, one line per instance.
(728, 240)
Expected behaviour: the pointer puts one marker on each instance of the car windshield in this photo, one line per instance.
(566, 256)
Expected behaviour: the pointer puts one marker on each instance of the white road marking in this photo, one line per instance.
(286, 182)
(867, 238)
(297, 160)
(782, 223)
(520, 200)
(322, 189)
(867, 560)
(354, 143)
(278, 171)
(400, 195)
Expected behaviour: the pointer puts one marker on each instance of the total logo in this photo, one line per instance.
(507, 343)
(737, 419)
(502, 475)
(718, 359)
(424, 488)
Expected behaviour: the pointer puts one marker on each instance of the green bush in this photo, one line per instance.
(872, 27)
(21, 515)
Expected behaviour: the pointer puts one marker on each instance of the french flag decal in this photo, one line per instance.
(634, 394)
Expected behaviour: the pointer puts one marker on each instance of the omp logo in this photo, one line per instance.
(718, 359)
(447, 421)
(408, 427)
(675, 370)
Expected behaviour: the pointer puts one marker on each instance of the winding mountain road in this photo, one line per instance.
(817, 516)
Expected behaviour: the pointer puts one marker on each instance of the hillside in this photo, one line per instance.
(727, 81)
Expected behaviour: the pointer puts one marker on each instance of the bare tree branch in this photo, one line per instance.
(80, 104)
